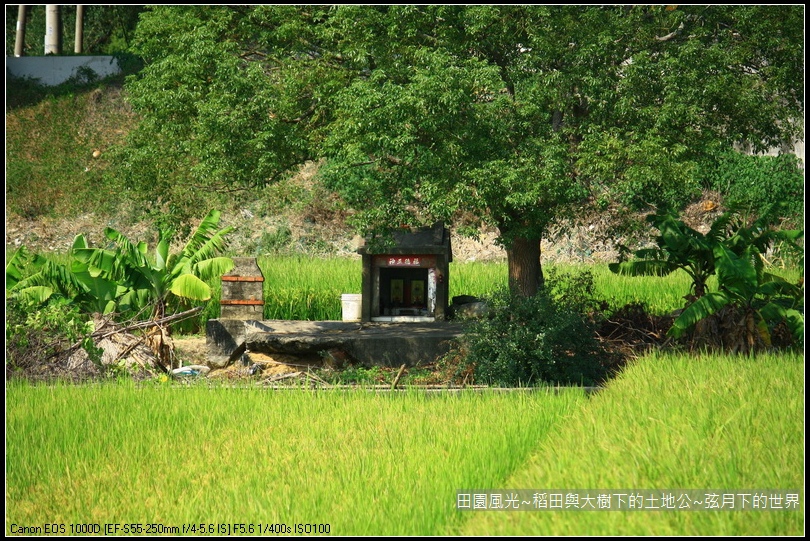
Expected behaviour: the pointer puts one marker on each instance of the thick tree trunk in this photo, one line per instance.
(525, 270)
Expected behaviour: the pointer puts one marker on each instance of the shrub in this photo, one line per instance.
(755, 182)
(548, 338)
(40, 336)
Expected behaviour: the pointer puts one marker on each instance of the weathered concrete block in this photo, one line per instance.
(399, 349)
(243, 290)
(468, 307)
(241, 312)
(472, 310)
(225, 339)
(383, 344)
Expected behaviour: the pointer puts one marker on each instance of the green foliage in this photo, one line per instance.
(33, 184)
(166, 280)
(213, 121)
(360, 375)
(755, 182)
(679, 247)
(34, 279)
(276, 241)
(750, 303)
(26, 289)
(123, 279)
(642, 174)
(508, 115)
(549, 338)
(682, 247)
(37, 333)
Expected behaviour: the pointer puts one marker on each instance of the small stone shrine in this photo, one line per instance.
(407, 279)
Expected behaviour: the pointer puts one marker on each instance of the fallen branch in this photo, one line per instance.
(399, 375)
(150, 323)
(126, 351)
(280, 377)
(310, 375)
(102, 332)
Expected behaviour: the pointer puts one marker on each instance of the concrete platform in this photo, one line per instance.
(371, 344)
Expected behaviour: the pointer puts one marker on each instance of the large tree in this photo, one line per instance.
(505, 115)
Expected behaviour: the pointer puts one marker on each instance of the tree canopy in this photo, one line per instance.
(511, 116)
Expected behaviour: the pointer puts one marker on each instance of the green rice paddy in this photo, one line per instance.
(369, 463)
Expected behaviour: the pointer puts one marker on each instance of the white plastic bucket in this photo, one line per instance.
(352, 306)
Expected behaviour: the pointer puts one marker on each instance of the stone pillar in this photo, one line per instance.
(242, 300)
(243, 291)
(367, 288)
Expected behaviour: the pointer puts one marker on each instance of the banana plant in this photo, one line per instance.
(749, 302)
(123, 279)
(682, 247)
(34, 288)
(46, 279)
(679, 247)
(160, 283)
(755, 302)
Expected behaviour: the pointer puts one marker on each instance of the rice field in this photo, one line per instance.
(366, 463)
(307, 288)
(359, 462)
(731, 425)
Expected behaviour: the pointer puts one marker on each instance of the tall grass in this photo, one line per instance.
(674, 422)
(307, 288)
(479, 278)
(364, 463)
(310, 288)
(659, 294)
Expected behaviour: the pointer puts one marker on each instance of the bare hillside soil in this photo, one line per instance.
(587, 242)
